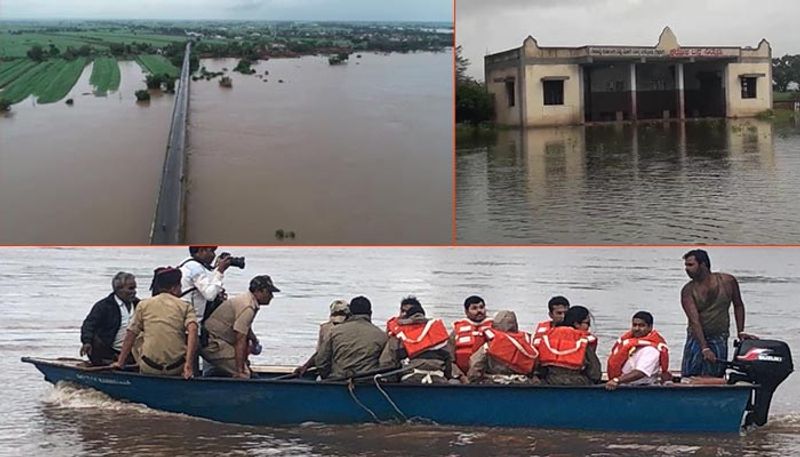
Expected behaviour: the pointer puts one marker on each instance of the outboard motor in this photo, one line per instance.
(765, 363)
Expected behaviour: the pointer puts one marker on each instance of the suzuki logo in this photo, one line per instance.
(759, 354)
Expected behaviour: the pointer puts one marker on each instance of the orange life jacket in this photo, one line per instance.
(563, 347)
(421, 337)
(469, 338)
(392, 327)
(513, 349)
(542, 328)
(626, 345)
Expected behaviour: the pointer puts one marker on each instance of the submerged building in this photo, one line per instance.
(536, 86)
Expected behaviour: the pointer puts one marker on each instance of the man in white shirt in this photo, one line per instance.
(200, 282)
(640, 356)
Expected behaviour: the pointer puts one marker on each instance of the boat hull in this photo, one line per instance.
(696, 409)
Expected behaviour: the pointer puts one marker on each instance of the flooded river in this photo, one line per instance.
(45, 294)
(83, 174)
(693, 182)
(359, 153)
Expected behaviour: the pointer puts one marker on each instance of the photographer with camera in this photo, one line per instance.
(201, 280)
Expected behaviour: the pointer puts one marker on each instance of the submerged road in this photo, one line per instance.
(168, 222)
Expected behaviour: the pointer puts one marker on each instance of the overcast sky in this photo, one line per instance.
(498, 25)
(316, 10)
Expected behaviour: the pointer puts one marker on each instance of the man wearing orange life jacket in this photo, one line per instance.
(420, 345)
(556, 308)
(467, 336)
(640, 356)
(567, 351)
(507, 357)
(391, 325)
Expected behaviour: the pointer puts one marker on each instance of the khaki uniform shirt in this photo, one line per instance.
(352, 348)
(163, 321)
(234, 315)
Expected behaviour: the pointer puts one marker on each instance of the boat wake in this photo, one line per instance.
(67, 395)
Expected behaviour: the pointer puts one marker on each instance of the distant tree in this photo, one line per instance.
(785, 70)
(36, 53)
(69, 53)
(462, 63)
(154, 81)
(84, 51)
(243, 66)
(169, 85)
(473, 103)
(116, 49)
(142, 95)
(5, 105)
(54, 51)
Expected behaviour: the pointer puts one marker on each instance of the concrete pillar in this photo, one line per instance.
(679, 86)
(633, 93)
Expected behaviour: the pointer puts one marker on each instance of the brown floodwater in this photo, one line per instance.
(86, 173)
(349, 154)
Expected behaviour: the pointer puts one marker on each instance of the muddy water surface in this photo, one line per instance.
(86, 173)
(359, 153)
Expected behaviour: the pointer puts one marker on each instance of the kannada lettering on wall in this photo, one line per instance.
(627, 51)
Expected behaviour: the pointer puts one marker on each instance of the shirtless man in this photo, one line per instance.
(706, 300)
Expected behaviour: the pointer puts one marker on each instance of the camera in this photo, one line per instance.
(237, 262)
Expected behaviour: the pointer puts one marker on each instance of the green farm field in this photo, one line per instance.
(157, 65)
(17, 45)
(105, 75)
(49, 81)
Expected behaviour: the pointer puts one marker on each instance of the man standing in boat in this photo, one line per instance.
(169, 326)
(556, 308)
(230, 329)
(104, 328)
(706, 300)
(201, 282)
(467, 335)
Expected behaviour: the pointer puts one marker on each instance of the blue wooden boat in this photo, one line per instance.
(270, 400)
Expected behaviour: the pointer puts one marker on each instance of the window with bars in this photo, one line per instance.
(553, 92)
(749, 87)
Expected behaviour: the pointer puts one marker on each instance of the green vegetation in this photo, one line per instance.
(142, 95)
(49, 81)
(777, 116)
(158, 65)
(11, 70)
(785, 70)
(105, 75)
(473, 102)
(786, 96)
(58, 86)
(25, 84)
(243, 67)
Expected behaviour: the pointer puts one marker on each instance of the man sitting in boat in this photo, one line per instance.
(556, 308)
(467, 336)
(169, 328)
(340, 310)
(104, 328)
(391, 324)
(567, 352)
(508, 357)
(640, 356)
(230, 330)
(421, 345)
(354, 346)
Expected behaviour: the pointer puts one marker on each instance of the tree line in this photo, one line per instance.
(785, 70)
(474, 104)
